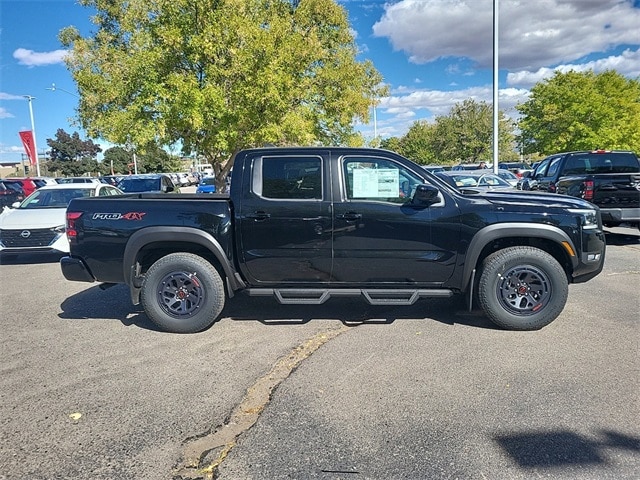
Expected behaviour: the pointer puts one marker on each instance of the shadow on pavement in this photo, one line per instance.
(29, 258)
(622, 236)
(560, 448)
(114, 303)
(110, 304)
(353, 312)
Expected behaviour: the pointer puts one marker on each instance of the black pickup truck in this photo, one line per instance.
(609, 179)
(306, 224)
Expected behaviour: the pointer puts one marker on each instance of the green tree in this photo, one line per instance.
(581, 111)
(71, 148)
(392, 143)
(417, 143)
(117, 160)
(72, 156)
(157, 160)
(216, 76)
(466, 134)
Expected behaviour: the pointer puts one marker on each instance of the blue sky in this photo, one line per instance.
(431, 53)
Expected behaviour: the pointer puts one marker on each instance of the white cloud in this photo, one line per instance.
(38, 59)
(398, 111)
(628, 64)
(5, 114)
(532, 34)
(9, 96)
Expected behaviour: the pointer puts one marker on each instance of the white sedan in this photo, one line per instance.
(37, 224)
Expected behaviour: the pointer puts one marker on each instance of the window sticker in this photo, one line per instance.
(376, 183)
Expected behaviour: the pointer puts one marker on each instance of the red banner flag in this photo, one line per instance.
(29, 146)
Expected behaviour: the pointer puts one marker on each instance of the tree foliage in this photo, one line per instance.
(216, 76)
(157, 160)
(464, 135)
(118, 158)
(417, 143)
(71, 148)
(72, 156)
(581, 111)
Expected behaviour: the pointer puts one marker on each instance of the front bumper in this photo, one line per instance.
(76, 270)
(591, 261)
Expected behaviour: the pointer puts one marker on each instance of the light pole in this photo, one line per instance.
(33, 132)
(496, 67)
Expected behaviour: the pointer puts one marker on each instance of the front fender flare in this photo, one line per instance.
(506, 230)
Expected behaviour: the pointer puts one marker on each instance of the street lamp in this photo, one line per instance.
(33, 132)
(53, 88)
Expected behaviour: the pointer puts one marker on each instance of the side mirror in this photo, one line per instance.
(425, 195)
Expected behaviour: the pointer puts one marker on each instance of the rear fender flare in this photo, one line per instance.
(143, 237)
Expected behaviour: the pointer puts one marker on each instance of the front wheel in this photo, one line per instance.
(182, 293)
(522, 288)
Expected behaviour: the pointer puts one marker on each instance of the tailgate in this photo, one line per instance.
(617, 190)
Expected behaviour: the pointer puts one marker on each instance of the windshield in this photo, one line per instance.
(54, 198)
(133, 185)
(208, 181)
(606, 162)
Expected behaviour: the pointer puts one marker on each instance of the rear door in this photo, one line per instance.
(285, 219)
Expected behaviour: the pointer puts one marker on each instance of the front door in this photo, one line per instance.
(380, 237)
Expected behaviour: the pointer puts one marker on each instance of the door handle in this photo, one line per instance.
(259, 216)
(349, 216)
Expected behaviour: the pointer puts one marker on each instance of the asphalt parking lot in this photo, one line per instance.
(90, 390)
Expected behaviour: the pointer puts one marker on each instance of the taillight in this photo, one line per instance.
(552, 187)
(587, 190)
(72, 217)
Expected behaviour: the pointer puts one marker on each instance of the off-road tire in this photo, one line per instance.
(182, 293)
(522, 288)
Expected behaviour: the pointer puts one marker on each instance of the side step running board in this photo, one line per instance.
(312, 296)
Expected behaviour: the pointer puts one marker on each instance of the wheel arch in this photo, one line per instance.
(149, 244)
(549, 238)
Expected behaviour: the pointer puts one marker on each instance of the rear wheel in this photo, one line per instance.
(522, 288)
(182, 293)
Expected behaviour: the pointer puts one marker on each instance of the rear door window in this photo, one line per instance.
(295, 177)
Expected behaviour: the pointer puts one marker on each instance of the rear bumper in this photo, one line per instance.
(620, 214)
(74, 269)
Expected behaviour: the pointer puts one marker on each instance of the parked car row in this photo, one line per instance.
(37, 224)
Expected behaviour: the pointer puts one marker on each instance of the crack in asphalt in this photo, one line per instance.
(202, 455)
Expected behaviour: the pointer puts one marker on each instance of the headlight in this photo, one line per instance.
(588, 217)
(58, 229)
